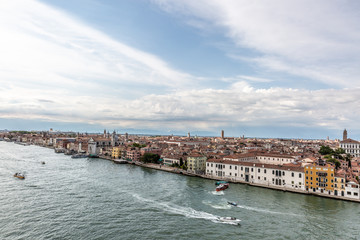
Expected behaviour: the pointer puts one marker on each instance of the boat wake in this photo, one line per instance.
(184, 211)
(217, 206)
(264, 210)
(219, 193)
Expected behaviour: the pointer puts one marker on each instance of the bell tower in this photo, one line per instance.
(344, 134)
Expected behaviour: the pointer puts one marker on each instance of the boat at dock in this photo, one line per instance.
(222, 187)
(79, 156)
(19, 175)
(120, 161)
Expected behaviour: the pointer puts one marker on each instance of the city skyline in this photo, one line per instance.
(279, 69)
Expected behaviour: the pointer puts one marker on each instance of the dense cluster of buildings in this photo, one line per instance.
(286, 164)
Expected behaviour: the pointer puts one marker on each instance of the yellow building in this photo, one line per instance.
(196, 163)
(319, 178)
(116, 153)
(339, 185)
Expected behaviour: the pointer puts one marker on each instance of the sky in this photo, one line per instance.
(282, 69)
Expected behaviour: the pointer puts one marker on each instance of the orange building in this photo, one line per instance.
(319, 178)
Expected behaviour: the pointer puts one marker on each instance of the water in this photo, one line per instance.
(96, 199)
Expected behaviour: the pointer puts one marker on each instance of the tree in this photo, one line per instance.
(336, 162)
(150, 158)
(325, 150)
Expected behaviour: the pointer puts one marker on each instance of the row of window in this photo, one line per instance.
(274, 172)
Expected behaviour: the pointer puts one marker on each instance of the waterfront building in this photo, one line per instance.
(196, 163)
(92, 148)
(320, 179)
(289, 176)
(133, 155)
(351, 147)
(116, 153)
(171, 160)
(352, 190)
(339, 183)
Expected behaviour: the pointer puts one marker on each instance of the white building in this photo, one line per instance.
(287, 176)
(351, 146)
(352, 190)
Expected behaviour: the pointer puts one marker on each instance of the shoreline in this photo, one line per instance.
(183, 172)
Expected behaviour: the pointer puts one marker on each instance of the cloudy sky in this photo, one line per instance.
(255, 68)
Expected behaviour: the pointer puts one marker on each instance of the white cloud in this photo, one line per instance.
(42, 45)
(315, 39)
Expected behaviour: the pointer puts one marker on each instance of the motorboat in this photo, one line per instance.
(232, 220)
(19, 175)
(222, 187)
(220, 182)
(232, 203)
(42, 162)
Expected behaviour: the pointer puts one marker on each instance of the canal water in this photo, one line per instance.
(96, 199)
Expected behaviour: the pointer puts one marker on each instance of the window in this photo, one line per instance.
(283, 173)
(292, 174)
(259, 178)
(235, 167)
(230, 167)
(208, 164)
(241, 168)
(348, 193)
(259, 170)
(264, 170)
(241, 175)
(211, 165)
(273, 172)
(355, 194)
(235, 174)
(252, 169)
(230, 174)
(265, 178)
(299, 175)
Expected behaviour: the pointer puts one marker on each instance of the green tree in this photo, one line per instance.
(150, 158)
(325, 150)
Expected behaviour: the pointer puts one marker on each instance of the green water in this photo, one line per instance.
(97, 199)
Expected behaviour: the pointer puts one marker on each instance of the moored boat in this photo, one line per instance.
(19, 175)
(79, 156)
(222, 187)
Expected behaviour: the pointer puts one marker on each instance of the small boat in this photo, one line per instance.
(79, 156)
(232, 203)
(42, 162)
(220, 182)
(19, 175)
(222, 187)
(232, 220)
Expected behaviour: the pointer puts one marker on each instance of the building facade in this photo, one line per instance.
(320, 179)
(258, 173)
(196, 163)
(351, 147)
